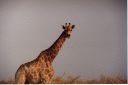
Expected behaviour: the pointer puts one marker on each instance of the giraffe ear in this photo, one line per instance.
(63, 27)
(73, 26)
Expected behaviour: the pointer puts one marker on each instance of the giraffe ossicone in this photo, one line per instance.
(40, 70)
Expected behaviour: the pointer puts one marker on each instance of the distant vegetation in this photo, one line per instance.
(77, 80)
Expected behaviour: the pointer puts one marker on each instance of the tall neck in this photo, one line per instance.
(54, 49)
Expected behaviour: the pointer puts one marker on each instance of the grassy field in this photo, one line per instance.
(78, 80)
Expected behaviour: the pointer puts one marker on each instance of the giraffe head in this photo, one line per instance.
(68, 29)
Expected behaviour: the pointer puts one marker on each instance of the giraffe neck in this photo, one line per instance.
(55, 48)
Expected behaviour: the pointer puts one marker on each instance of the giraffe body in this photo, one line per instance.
(40, 70)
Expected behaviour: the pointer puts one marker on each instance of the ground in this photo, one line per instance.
(78, 80)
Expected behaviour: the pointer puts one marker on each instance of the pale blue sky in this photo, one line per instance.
(97, 45)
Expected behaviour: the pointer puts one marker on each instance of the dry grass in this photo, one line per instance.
(7, 81)
(77, 80)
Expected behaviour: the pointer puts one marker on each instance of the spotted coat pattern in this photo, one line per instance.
(40, 70)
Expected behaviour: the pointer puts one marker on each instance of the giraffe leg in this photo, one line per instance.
(44, 78)
(50, 74)
(20, 77)
(46, 75)
(50, 77)
(50, 81)
(20, 80)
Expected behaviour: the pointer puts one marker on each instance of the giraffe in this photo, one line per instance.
(40, 70)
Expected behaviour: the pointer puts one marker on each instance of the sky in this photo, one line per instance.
(97, 45)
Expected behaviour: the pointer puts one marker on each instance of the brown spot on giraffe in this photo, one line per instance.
(40, 70)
